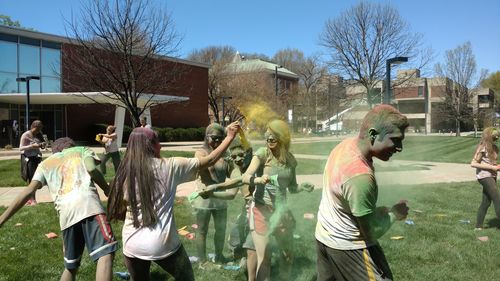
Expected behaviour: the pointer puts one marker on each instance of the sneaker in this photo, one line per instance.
(478, 229)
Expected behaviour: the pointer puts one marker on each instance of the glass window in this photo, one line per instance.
(51, 62)
(34, 86)
(29, 59)
(51, 85)
(8, 82)
(8, 56)
(420, 91)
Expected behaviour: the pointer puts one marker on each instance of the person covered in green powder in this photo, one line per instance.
(269, 214)
(211, 207)
(349, 221)
(485, 162)
(240, 152)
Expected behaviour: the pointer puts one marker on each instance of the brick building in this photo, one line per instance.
(54, 98)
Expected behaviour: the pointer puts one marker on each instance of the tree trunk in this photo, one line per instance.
(457, 126)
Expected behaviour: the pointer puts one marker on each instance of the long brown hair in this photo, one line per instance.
(136, 174)
(488, 138)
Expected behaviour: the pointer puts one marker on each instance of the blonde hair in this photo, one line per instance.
(490, 135)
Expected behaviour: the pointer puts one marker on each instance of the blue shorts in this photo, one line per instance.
(95, 232)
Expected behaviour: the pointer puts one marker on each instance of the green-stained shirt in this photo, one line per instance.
(271, 192)
(73, 191)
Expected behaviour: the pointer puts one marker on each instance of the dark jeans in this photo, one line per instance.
(490, 194)
(203, 220)
(177, 265)
(115, 156)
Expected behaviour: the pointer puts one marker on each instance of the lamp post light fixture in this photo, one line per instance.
(276, 77)
(223, 110)
(27, 80)
(395, 60)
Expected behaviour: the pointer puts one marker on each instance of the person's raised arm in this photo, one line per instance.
(19, 201)
(96, 175)
(210, 159)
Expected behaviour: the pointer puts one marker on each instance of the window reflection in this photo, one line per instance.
(51, 85)
(34, 85)
(8, 82)
(8, 57)
(29, 59)
(51, 62)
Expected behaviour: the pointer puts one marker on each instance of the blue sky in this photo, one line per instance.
(266, 26)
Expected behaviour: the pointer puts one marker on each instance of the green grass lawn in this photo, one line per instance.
(419, 148)
(437, 247)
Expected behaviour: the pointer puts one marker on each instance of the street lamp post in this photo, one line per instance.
(395, 60)
(223, 109)
(276, 77)
(27, 80)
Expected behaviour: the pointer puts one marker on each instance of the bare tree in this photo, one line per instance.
(310, 71)
(219, 57)
(459, 70)
(121, 48)
(363, 38)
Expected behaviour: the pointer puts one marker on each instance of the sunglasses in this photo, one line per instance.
(216, 138)
(234, 156)
(271, 140)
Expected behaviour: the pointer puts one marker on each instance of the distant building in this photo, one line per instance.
(419, 99)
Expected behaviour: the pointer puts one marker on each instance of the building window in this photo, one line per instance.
(8, 82)
(420, 91)
(8, 57)
(29, 60)
(51, 62)
(51, 84)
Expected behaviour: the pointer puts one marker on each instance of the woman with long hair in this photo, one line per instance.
(143, 194)
(272, 170)
(485, 162)
(211, 207)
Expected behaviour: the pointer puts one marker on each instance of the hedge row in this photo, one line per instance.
(165, 134)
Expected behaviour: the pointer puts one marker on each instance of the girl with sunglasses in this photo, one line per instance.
(268, 214)
(211, 207)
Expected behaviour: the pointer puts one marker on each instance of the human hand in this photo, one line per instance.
(400, 210)
(35, 145)
(307, 186)
(262, 180)
(205, 194)
(232, 129)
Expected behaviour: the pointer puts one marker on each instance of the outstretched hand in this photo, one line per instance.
(400, 210)
(232, 129)
(307, 186)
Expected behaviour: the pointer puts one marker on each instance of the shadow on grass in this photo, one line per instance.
(494, 223)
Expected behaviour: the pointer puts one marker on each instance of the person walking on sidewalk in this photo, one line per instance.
(70, 174)
(30, 146)
(109, 140)
(485, 162)
(349, 221)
